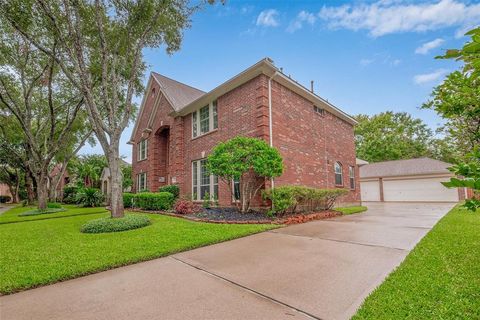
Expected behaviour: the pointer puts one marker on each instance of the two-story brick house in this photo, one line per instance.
(178, 126)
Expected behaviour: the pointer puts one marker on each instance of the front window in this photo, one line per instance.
(236, 189)
(142, 150)
(338, 174)
(351, 175)
(205, 119)
(203, 184)
(142, 181)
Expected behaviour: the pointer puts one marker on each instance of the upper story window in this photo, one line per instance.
(205, 119)
(142, 150)
(318, 110)
(338, 174)
(351, 176)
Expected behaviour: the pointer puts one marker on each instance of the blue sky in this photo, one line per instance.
(364, 56)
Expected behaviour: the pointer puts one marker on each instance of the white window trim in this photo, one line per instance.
(211, 186)
(139, 179)
(341, 173)
(140, 157)
(210, 120)
(351, 175)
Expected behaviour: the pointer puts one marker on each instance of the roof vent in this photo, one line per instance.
(311, 85)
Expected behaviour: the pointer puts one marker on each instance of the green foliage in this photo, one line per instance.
(53, 205)
(5, 199)
(67, 253)
(292, 198)
(127, 176)
(470, 178)
(172, 188)
(246, 159)
(36, 212)
(351, 210)
(87, 169)
(154, 200)
(438, 279)
(90, 197)
(70, 194)
(128, 200)
(104, 225)
(391, 136)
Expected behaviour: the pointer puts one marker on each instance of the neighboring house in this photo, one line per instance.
(178, 126)
(57, 192)
(5, 190)
(408, 180)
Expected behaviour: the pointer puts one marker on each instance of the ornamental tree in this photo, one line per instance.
(249, 160)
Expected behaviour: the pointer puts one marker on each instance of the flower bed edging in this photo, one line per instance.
(298, 218)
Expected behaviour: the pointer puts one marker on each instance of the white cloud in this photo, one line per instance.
(268, 18)
(300, 19)
(386, 17)
(429, 77)
(366, 62)
(427, 46)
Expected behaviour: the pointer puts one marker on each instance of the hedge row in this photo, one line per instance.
(294, 198)
(149, 200)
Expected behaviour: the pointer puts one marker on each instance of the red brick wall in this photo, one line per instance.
(309, 143)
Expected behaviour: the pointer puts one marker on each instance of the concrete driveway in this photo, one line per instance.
(318, 270)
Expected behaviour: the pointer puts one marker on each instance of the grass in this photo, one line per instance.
(128, 222)
(36, 212)
(13, 215)
(439, 279)
(351, 210)
(45, 251)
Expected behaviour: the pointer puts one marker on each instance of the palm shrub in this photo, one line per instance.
(90, 197)
(70, 194)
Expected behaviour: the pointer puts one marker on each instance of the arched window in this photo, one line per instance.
(338, 174)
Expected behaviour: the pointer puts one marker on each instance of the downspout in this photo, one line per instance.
(270, 126)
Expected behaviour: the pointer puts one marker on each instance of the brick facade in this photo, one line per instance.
(309, 143)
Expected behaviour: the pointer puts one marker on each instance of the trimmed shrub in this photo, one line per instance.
(128, 222)
(172, 188)
(70, 195)
(183, 206)
(154, 200)
(37, 212)
(291, 198)
(54, 205)
(128, 200)
(5, 199)
(90, 197)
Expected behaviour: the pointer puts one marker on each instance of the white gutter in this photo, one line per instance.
(270, 125)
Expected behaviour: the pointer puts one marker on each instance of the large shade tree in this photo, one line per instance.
(35, 94)
(391, 136)
(98, 45)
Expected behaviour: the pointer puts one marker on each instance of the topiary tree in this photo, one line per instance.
(248, 160)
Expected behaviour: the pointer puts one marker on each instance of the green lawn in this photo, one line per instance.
(11, 216)
(44, 251)
(439, 279)
(351, 210)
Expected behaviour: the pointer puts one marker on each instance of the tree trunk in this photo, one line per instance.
(116, 190)
(42, 190)
(29, 187)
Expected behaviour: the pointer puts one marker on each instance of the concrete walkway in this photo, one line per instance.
(318, 270)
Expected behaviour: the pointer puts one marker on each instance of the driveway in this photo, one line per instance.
(318, 270)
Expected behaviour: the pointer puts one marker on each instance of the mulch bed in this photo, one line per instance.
(233, 216)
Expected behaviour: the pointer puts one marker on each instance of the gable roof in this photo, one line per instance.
(178, 94)
(409, 167)
(185, 99)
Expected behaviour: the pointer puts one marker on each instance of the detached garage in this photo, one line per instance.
(408, 180)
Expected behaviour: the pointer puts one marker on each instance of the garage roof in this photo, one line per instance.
(410, 167)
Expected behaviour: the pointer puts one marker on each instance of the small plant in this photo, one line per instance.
(128, 222)
(90, 197)
(172, 188)
(184, 206)
(207, 203)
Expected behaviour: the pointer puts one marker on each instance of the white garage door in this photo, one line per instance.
(370, 190)
(429, 189)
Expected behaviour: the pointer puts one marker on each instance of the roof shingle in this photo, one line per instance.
(177, 93)
(407, 167)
